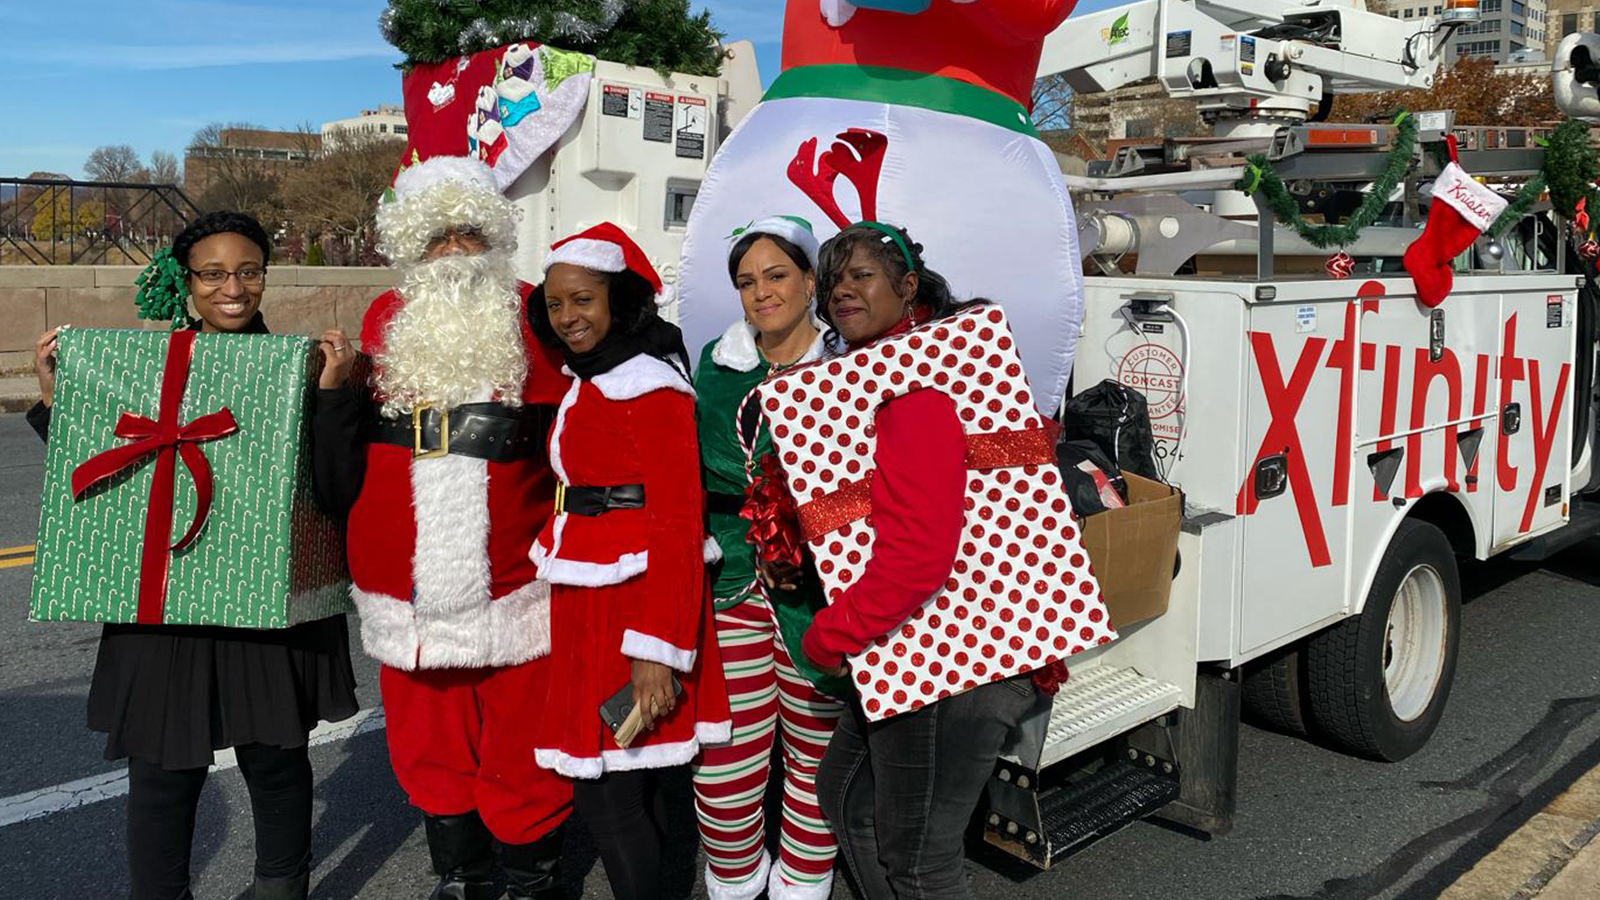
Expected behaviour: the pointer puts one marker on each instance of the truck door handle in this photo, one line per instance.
(1272, 476)
(1511, 418)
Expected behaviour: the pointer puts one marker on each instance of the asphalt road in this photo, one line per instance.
(1523, 723)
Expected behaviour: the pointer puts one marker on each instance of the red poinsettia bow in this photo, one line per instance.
(774, 520)
(164, 437)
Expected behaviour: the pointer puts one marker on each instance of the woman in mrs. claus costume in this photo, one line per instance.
(911, 111)
(624, 552)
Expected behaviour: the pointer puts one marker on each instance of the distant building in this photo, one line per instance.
(1568, 17)
(1139, 112)
(246, 150)
(385, 121)
(1507, 27)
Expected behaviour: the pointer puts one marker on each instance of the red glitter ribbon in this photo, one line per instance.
(836, 509)
(774, 522)
(852, 500)
(1005, 449)
(165, 438)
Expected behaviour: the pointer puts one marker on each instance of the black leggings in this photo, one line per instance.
(161, 812)
(622, 811)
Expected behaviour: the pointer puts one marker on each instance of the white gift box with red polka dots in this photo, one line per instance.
(1020, 594)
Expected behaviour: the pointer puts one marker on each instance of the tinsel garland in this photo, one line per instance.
(1260, 177)
(163, 290)
(659, 34)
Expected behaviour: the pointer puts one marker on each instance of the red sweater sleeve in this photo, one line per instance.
(666, 626)
(917, 514)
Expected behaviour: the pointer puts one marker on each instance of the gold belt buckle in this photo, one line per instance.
(416, 432)
(561, 498)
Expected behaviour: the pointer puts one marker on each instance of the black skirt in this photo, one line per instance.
(171, 695)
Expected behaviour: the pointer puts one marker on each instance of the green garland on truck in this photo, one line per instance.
(1260, 177)
(657, 34)
(1570, 167)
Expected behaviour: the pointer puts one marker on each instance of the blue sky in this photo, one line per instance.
(151, 72)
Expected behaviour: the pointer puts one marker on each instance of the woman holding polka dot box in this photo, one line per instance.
(955, 580)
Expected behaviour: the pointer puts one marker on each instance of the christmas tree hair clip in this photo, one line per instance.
(163, 290)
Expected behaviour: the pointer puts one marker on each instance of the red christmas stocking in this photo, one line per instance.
(1462, 209)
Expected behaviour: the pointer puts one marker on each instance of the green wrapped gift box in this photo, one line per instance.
(177, 484)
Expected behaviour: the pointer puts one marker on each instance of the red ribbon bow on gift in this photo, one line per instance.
(164, 437)
(774, 522)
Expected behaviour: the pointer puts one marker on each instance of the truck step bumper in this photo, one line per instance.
(1071, 817)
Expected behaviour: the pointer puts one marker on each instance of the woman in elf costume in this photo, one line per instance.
(760, 618)
(909, 111)
(168, 696)
(624, 553)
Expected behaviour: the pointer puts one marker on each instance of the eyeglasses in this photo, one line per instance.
(249, 276)
(465, 235)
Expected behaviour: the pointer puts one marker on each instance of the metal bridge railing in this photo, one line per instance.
(48, 221)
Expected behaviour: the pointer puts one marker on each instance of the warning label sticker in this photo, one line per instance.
(691, 127)
(621, 101)
(658, 117)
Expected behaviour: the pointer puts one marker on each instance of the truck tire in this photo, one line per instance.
(1377, 683)
(1273, 692)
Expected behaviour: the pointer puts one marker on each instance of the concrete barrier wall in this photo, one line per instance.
(299, 300)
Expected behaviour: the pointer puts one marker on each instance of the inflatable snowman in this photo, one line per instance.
(914, 113)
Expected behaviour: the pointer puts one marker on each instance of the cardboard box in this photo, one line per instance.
(231, 415)
(1133, 550)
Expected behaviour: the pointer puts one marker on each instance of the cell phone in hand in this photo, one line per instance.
(614, 711)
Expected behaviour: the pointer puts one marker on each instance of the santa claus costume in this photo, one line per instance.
(624, 554)
(441, 451)
(914, 112)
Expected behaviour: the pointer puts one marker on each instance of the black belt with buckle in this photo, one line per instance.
(595, 501)
(489, 431)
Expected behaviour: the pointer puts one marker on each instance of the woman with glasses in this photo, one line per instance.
(169, 696)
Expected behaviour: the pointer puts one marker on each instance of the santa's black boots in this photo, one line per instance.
(463, 857)
(533, 871)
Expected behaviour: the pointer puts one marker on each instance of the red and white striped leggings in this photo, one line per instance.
(730, 780)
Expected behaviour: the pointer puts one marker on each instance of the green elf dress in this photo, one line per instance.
(730, 368)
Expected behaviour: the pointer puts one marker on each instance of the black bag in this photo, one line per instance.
(1116, 419)
(1082, 491)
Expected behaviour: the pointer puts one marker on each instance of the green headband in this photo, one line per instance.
(893, 234)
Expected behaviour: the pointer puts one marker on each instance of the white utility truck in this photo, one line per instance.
(1339, 444)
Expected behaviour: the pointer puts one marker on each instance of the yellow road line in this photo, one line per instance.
(12, 551)
(13, 563)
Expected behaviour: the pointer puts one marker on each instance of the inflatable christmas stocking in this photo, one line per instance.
(1461, 210)
(915, 113)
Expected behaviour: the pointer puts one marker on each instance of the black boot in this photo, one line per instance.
(291, 887)
(463, 857)
(533, 871)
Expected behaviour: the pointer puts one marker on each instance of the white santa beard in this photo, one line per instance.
(457, 338)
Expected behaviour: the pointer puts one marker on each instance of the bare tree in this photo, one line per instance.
(224, 180)
(114, 162)
(163, 168)
(1052, 103)
(333, 200)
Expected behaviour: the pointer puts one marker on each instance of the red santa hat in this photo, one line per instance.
(607, 248)
(435, 195)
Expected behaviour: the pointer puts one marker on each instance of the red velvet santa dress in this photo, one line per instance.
(630, 583)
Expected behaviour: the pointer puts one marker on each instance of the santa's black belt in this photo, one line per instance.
(596, 501)
(489, 431)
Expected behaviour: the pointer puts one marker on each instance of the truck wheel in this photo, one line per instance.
(1272, 692)
(1377, 683)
